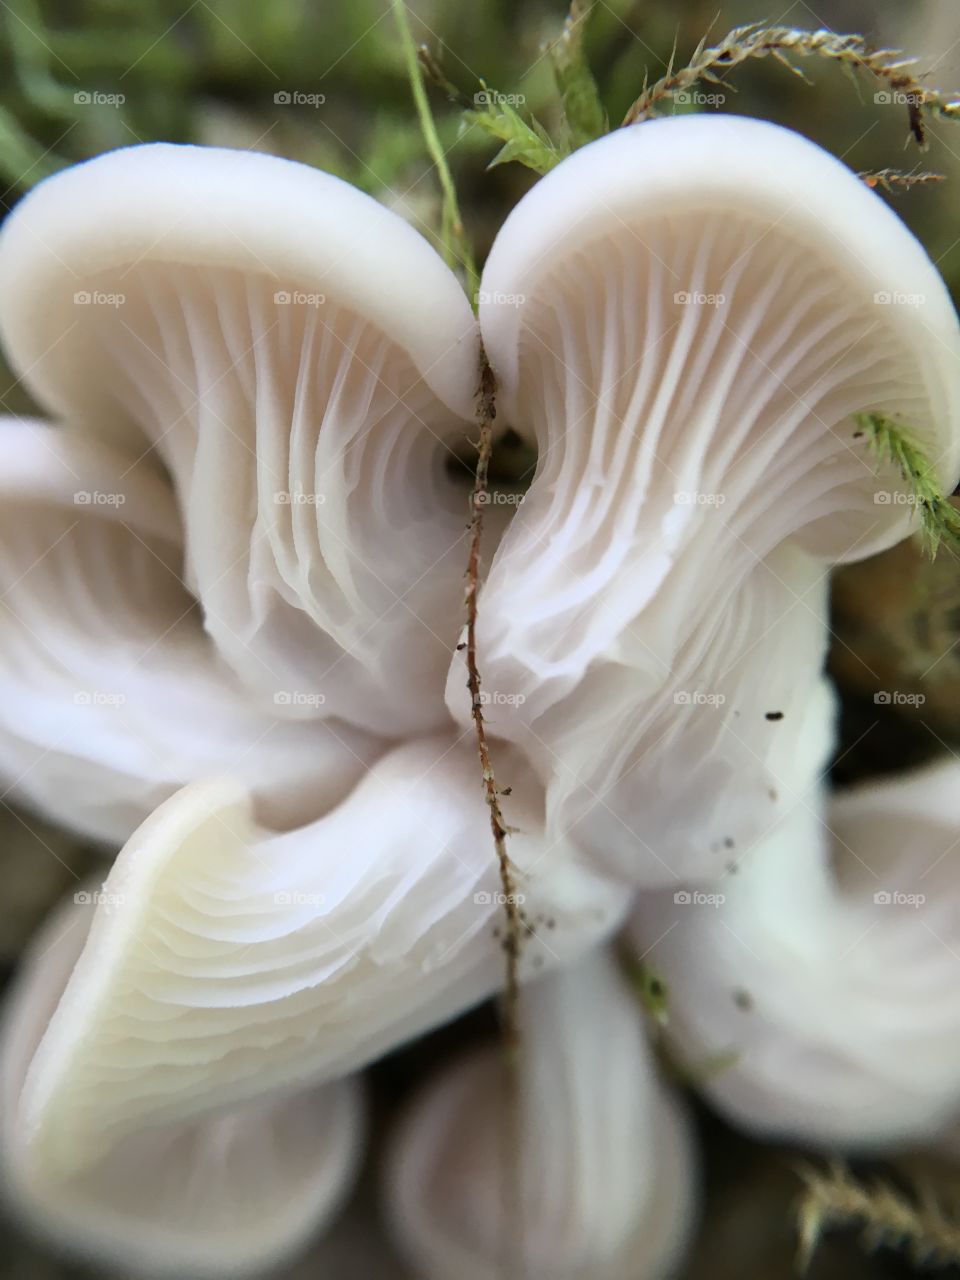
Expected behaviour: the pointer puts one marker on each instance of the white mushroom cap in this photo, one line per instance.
(302, 362)
(737, 735)
(606, 1163)
(111, 696)
(688, 316)
(231, 1194)
(827, 971)
(210, 207)
(226, 962)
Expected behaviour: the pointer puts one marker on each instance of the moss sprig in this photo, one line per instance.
(895, 444)
(526, 142)
(884, 1216)
(583, 117)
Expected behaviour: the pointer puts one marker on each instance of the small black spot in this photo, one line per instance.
(773, 793)
(728, 842)
(657, 989)
(551, 924)
(461, 646)
(858, 435)
(774, 715)
(743, 1000)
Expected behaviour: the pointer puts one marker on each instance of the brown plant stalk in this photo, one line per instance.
(887, 66)
(514, 921)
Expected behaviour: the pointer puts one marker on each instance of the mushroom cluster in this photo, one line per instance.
(232, 575)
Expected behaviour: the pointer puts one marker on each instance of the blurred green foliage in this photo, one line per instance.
(211, 70)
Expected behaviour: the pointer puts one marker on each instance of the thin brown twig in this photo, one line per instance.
(888, 66)
(514, 919)
(894, 181)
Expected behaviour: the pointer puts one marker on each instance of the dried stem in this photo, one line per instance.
(515, 925)
(894, 181)
(888, 66)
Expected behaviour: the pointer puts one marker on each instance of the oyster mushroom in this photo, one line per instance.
(606, 1173)
(232, 1193)
(302, 363)
(821, 978)
(111, 696)
(686, 317)
(227, 964)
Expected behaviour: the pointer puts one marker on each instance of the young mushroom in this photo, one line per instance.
(687, 318)
(604, 1183)
(820, 980)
